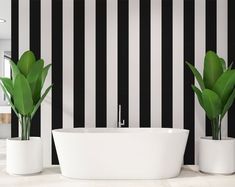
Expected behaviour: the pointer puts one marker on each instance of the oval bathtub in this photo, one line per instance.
(120, 153)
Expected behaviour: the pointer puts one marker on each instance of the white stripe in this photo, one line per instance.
(134, 63)
(23, 30)
(199, 60)
(178, 63)
(2, 102)
(90, 66)
(46, 123)
(67, 63)
(112, 63)
(156, 67)
(23, 26)
(222, 30)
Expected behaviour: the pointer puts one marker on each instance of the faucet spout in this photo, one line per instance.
(121, 123)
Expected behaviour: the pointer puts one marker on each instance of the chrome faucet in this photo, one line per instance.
(120, 123)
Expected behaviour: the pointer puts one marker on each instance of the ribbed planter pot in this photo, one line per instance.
(217, 156)
(24, 157)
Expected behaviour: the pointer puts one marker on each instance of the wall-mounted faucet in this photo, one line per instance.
(120, 123)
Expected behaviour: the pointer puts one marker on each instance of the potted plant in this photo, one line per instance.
(215, 94)
(23, 92)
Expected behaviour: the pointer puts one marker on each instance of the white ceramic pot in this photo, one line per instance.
(24, 157)
(217, 156)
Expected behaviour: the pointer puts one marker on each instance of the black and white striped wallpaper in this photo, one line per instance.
(129, 52)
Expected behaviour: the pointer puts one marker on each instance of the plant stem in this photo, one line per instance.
(216, 128)
(213, 129)
(220, 121)
(25, 122)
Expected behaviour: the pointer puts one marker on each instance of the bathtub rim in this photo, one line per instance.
(105, 130)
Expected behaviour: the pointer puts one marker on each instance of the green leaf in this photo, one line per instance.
(40, 101)
(26, 62)
(228, 103)
(34, 77)
(9, 100)
(225, 85)
(37, 91)
(212, 104)
(197, 75)
(212, 69)
(8, 85)
(39, 84)
(44, 74)
(22, 95)
(199, 95)
(223, 64)
(35, 71)
(14, 69)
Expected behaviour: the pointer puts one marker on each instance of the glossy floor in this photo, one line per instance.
(51, 177)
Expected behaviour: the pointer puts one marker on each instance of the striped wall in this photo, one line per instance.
(129, 52)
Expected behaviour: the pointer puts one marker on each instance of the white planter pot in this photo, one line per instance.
(24, 157)
(217, 156)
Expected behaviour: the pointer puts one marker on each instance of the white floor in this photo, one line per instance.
(51, 177)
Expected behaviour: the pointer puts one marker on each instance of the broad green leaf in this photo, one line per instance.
(212, 103)
(40, 101)
(212, 69)
(33, 79)
(222, 61)
(228, 103)
(37, 91)
(8, 85)
(199, 95)
(9, 100)
(14, 69)
(35, 71)
(44, 74)
(40, 83)
(197, 75)
(225, 85)
(26, 62)
(22, 95)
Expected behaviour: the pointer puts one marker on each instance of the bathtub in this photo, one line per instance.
(120, 153)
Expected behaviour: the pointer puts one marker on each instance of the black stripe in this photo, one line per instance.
(35, 46)
(123, 55)
(166, 63)
(210, 39)
(101, 24)
(14, 54)
(189, 79)
(231, 58)
(57, 51)
(79, 42)
(145, 63)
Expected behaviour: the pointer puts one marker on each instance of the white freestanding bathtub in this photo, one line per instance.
(120, 153)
